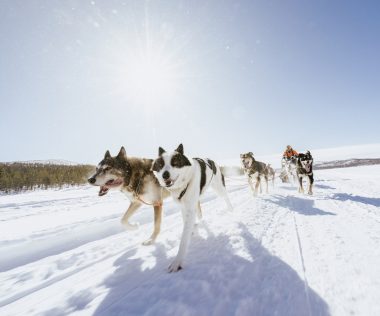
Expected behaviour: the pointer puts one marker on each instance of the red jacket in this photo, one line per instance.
(290, 153)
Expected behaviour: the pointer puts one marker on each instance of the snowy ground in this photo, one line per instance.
(64, 252)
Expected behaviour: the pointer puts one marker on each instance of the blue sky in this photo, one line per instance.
(233, 76)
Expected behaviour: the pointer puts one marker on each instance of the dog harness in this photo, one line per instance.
(183, 192)
(138, 197)
(158, 203)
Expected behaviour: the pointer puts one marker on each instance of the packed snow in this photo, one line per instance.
(64, 252)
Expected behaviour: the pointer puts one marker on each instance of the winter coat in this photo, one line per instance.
(290, 153)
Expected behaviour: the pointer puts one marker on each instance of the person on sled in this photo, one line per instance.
(289, 153)
(288, 165)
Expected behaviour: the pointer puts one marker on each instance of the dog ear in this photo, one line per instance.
(161, 151)
(180, 149)
(250, 153)
(122, 153)
(107, 154)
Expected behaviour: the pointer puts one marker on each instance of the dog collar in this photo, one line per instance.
(183, 193)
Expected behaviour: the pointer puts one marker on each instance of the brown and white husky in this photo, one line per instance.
(134, 177)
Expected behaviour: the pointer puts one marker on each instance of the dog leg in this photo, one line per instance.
(266, 182)
(311, 181)
(257, 186)
(133, 207)
(157, 225)
(188, 226)
(295, 178)
(197, 220)
(199, 211)
(251, 185)
(300, 189)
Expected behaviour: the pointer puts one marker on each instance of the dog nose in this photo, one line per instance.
(166, 175)
(91, 180)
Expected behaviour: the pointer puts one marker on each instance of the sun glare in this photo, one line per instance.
(151, 79)
(149, 68)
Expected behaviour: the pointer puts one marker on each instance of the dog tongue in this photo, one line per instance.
(169, 183)
(103, 190)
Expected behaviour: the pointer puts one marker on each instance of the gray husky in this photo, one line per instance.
(187, 180)
(255, 170)
(134, 177)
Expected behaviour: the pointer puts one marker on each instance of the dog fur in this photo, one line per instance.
(187, 179)
(305, 170)
(256, 171)
(271, 174)
(134, 177)
(289, 170)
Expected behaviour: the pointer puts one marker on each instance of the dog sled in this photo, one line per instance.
(289, 170)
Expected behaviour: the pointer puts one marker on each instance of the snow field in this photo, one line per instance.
(64, 252)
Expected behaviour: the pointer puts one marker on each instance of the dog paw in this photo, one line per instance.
(148, 242)
(175, 266)
(310, 193)
(128, 226)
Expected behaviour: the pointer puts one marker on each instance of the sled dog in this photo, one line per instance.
(305, 170)
(289, 169)
(134, 177)
(256, 172)
(187, 179)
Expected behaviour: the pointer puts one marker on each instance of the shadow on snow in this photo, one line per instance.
(356, 198)
(304, 206)
(215, 281)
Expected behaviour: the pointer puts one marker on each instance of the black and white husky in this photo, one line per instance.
(134, 177)
(187, 179)
(305, 170)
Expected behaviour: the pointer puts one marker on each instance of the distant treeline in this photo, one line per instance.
(15, 177)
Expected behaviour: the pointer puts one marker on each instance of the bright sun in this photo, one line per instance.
(152, 78)
(150, 69)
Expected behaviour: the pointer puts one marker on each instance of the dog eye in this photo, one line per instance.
(175, 162)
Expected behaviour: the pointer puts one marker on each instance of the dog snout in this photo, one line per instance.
(166, 175)
(91, 180)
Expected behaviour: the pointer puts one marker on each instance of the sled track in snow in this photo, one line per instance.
(300, 252)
